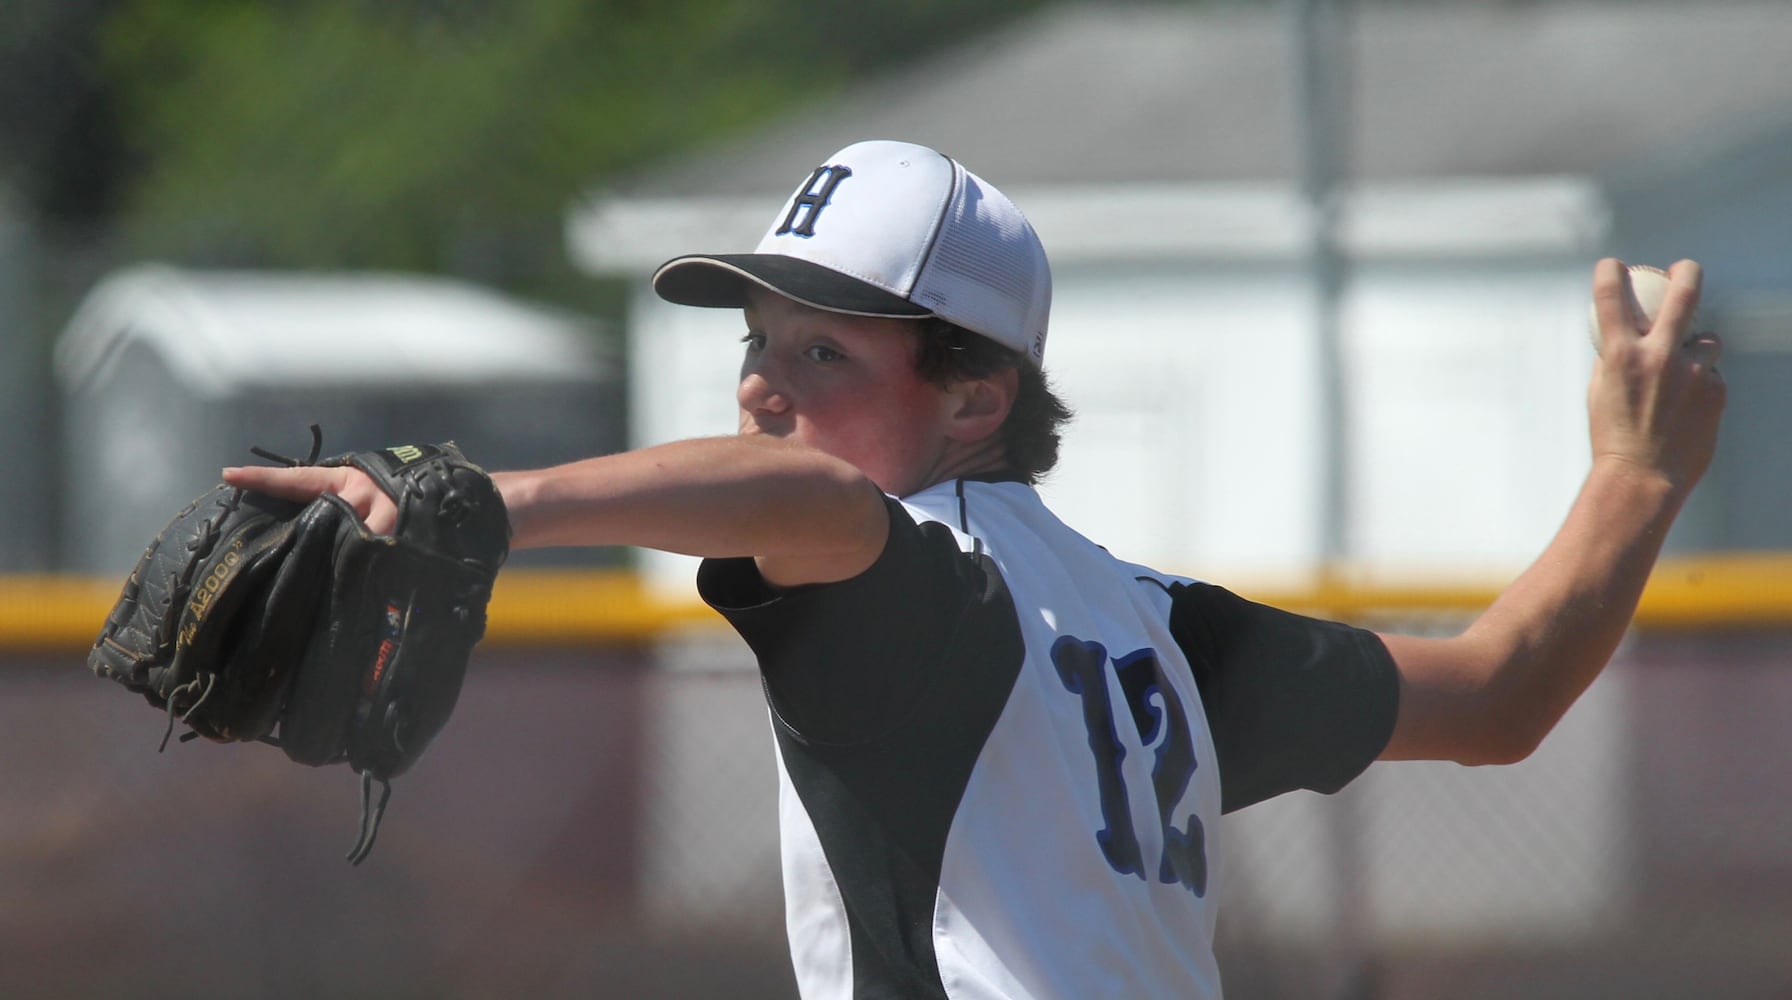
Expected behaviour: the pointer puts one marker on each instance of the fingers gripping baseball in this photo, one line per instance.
(1656, 396)
(306, 483)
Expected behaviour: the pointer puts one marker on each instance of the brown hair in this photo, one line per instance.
(1030, 435)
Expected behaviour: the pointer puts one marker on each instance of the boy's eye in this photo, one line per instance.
(754, 341)
(821, 352)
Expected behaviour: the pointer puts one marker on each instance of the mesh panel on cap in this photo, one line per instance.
(1003, 265)
(983, 270)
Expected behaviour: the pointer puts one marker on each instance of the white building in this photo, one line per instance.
(167, 375)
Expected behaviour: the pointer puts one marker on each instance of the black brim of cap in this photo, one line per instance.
(723, 280)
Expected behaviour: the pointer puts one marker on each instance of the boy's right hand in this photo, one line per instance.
(1656, 397)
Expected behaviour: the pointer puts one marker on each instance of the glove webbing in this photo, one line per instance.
(371, 812)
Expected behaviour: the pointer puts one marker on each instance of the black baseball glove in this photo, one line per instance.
(252, 618)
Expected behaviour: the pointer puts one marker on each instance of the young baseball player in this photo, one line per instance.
(1003, 752)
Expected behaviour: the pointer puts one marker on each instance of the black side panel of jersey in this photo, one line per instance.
(1293, 702)
(884, 689)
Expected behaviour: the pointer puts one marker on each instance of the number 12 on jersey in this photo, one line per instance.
(1082, 668)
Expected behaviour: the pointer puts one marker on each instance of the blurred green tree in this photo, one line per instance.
(449, 135)
(59, 148)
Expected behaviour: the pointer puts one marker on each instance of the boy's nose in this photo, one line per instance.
(757, 395)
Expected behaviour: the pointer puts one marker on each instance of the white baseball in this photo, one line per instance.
(1648, 285)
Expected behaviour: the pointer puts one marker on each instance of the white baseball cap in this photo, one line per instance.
(889, 229)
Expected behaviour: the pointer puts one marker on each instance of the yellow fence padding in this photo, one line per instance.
(572, 607)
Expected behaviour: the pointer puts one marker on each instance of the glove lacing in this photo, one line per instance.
(317, 447)
(371, 813)
(211, 681)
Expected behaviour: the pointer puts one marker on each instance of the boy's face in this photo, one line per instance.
(844, 385)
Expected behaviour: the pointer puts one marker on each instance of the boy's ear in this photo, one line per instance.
(980, 405)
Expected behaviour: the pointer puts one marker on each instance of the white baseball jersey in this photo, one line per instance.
(1004, 753)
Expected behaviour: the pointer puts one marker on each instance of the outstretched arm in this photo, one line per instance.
(1491, 694)
(806, 516)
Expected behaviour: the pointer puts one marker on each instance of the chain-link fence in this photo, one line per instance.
(601, 822)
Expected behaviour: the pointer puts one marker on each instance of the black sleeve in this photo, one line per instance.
(846, 662)
(1293, 702)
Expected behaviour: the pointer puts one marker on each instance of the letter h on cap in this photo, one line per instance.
(812, 201)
